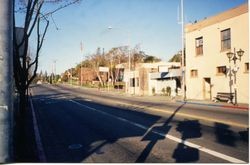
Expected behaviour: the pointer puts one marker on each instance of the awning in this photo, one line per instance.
(163, 75)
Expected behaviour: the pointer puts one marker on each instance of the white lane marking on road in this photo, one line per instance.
(178, 140)
(41, 154)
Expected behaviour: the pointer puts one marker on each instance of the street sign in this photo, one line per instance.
(103, 69)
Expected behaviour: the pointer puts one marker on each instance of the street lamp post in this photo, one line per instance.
(129, 58)
(234, 56)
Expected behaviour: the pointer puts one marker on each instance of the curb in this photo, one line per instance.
(215, 105)
(40, 150)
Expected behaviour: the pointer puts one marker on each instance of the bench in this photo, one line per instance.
(224, 97)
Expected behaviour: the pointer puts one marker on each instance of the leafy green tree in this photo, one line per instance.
(151, 59)
(176, 57)
(111, 59)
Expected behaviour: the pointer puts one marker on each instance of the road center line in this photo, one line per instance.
(188, 115)
(178, 140)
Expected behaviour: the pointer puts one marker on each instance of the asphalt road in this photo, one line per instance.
(80, 125)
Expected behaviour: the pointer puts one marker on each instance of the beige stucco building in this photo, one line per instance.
(207, 43)
(152, 78)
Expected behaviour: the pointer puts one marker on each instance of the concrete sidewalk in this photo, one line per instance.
(161, 98)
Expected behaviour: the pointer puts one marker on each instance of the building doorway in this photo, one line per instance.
(207, 88)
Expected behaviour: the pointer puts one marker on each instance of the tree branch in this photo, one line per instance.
(61, 7)
(39, 46)
(35, 20)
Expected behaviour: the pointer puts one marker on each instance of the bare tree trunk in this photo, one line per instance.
(23, 101)
(99, 77)
(112, 76)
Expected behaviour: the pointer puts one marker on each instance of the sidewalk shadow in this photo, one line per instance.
(154, 137)
(189, 129)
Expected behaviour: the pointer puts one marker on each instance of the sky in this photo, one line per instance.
(153, 24)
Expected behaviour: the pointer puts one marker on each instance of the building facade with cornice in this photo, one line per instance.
(208, 70)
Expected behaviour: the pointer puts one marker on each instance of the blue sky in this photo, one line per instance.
(150, 23)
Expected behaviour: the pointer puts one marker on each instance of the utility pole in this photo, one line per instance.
(183, 85)
(129, 62)
(71, 76)
(54, 76)
(81, 62)
(6, 80)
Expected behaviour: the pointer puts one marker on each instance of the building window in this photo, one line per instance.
(247, 67)
(221, 70)
(194, 73)
(225, 39)
(134, 82)
(199, 45)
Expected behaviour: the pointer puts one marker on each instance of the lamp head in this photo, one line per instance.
(240, 53)
(230, 55)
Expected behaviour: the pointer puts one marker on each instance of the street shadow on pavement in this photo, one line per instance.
(225, 136)
(189, 129)
(51, 96)
(63, 123)
(244, 135)
(153, 137)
